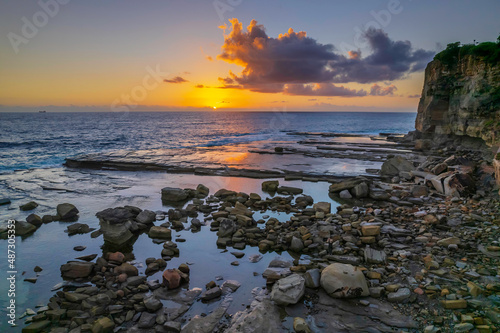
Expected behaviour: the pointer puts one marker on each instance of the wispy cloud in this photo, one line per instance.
(377, 90)
(177, 79)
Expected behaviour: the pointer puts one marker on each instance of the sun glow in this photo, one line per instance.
(215, 107)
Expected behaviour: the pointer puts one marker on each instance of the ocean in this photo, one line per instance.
(41, 140)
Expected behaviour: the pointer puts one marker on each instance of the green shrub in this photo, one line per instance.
(490, 51)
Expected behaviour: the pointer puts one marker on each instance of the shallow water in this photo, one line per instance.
(50, 246)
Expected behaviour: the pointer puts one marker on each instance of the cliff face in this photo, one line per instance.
(461, 100)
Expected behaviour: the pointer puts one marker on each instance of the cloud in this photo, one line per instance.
(377, 90)
(176, 79)
(209, 58)
(272, 64)
(322, 89)
(199, 86)
(414, 96)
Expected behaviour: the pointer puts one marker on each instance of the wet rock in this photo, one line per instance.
(28, 206)
(393, 166)
(344, 281)
(77, 269)
(37, 326)
(448, 241)
(238, 254)
(223, 193)
(146, 217)
(289, 190)
(127, 268)
(399, 296)
(270, 186)
(255, 258)
(171, 279)
(4, 201)
(24, 228)
(227, 228)
(232, 285)
(160, 232)
(116, 257)
(202, 190)
(152, 304)
(88, 257)
(147, 320)
(210, 294)
(172, 326)
(288, 290)
(66, 211)
(34, 219)
(171, 194)
(78, 228)
(79, 248)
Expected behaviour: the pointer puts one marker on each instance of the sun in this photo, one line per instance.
(215, 107)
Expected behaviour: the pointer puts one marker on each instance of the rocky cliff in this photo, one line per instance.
(461, 98)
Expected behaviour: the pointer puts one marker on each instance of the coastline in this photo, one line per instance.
(409, 219)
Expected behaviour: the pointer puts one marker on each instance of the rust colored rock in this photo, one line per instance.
(117, 257)
(171, 279)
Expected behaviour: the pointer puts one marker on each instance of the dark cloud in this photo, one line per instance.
(199, 86)
(414, 96)
(377, 90)
(322, 89)
(176, 79)
(270, 64)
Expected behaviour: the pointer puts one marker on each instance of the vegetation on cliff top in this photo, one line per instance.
(490, 51)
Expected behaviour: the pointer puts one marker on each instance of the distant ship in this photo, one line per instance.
(42, 111)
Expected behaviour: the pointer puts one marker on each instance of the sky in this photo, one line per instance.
(248, 55)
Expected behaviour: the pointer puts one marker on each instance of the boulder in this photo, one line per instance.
(361, 190)
(289, 190)
(227, 228)
(345, 185)
(28, 206)
(202, 190)
(77, 269)
(296, 245)
(160, 232)
(152, 304)
(171, 278)
(24, 228)
(171, 194)
(400, 296)
(4, 201)
(344, 281)
(118, 215)
(322, 206)
(126, 268)
(66, 211)
(288, 290)
(270, 186)
(146, 217)
(211, 294)
(147, 320)
(34, 219)
(116, 233)
(393, 166)
(223, 193)
(78, 228)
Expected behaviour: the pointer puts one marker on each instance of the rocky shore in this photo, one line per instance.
(414, 249)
